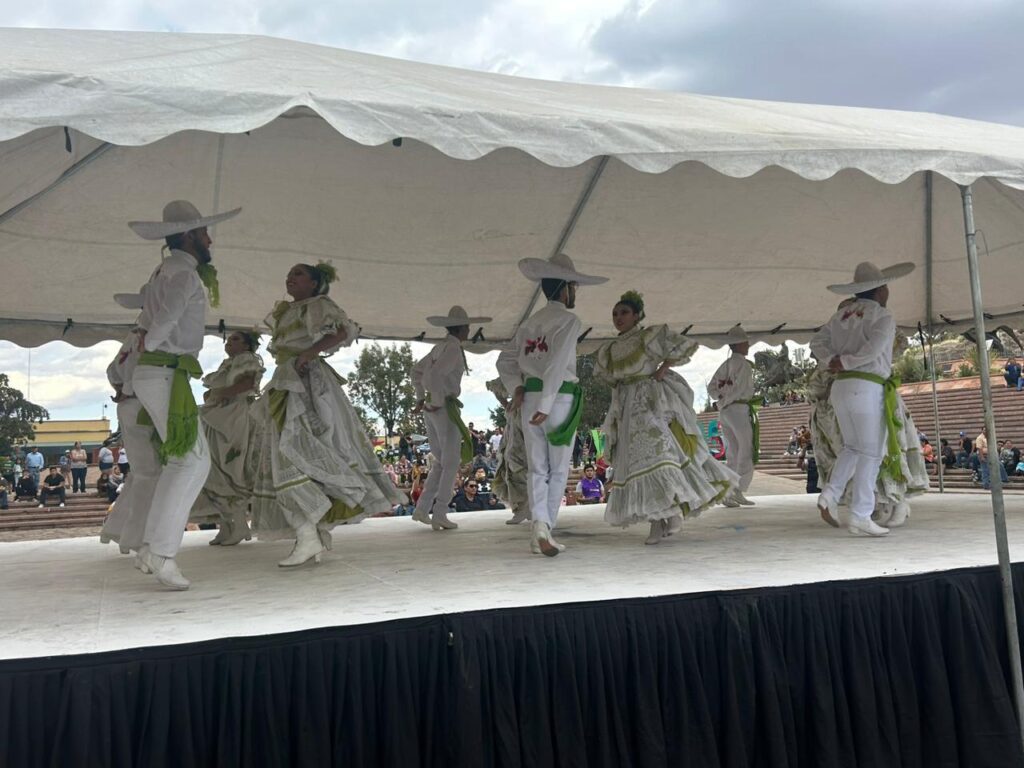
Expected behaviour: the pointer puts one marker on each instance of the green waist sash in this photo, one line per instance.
(182, 411)
(753, 406)
(893, 425)
(453, 408)
(565, 433)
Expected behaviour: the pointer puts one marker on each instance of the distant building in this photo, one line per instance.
(56, 436)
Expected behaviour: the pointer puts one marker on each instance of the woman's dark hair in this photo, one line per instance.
(867, 294)
(318, 277)
(552, 286)
(251, 339)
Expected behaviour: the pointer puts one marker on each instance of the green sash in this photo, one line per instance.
(454, 409)
(182, 412)
(893, 425)
(566, 433)
(753, 406)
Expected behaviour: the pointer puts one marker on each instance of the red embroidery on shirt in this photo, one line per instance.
(859, 313)
(536, 345)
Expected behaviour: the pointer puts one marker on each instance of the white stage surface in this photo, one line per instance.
(77, 596)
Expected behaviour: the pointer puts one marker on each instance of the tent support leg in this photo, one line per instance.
(929, 276)
(568, 229)
(998, 509)
(935, 412)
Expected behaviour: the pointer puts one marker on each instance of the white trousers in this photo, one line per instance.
(446, 445)
(178, 482)
(859, 410)
(547, 464)
(127, 522)
(739, 442)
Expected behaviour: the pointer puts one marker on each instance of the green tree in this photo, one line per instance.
(910, 367)
(17, 415)
(380, 384)
(597, 395)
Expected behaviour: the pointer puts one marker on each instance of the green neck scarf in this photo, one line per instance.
(208, 274)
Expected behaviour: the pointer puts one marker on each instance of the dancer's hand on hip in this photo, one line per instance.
(538, 418)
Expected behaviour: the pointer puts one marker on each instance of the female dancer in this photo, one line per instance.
(226, 423)
(509, 483)
(663, 469)
(316, 467)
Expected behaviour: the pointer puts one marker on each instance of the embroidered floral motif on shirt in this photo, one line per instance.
(857, 312)
(536, 345)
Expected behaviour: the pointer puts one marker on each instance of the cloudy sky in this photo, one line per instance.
(956, 58)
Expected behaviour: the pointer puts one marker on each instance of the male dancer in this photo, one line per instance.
(170, 332)
(733, 387)
(858, 343)
(437, 378)
(539, 368)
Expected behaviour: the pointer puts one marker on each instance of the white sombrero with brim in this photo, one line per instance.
(456, 316)
(179, 216)
(735, 335)
(558, 267)
(129, 300)
(867, 277)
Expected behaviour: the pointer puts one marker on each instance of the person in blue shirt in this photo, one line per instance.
(1012, 375)
(34, 463)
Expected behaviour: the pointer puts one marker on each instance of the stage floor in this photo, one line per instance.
(77, 596)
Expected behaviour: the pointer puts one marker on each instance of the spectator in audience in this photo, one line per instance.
(1009, 456)
(492, 463)
(470, 500)
(27, 489)
(1013, 374)
(122, 460)
(805, 460)
(404, 471)
(603, 469)
(590, 490)
(963, 456)
(65, 467)
(79, 465)
(5, 488)
(793, 446)
(7, 470)
(495, 441)
(479, 462)
(948, 454)
(34, 463)
(103, 484)
(53, 485)
(404, 447)
(106, 459)
(927, 453)
(116, 481)
(981, 449)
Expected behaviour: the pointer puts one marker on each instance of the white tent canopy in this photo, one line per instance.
(718, 210)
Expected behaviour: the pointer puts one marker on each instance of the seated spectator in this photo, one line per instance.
(5, 489)
(947, 453)
(927, 453)
(483, 484)
(1009, 456)
(103, 484)
(603, 470)
(589, 490)
(963, 456)
(469, 500)
(794, 442)
(26, 490)
(1013, 374)
(1020, 468)
(479, 462)
(106, 458)
(116, 481)
(53, 485)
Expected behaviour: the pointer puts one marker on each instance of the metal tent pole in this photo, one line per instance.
(998, 509)
(929, 283)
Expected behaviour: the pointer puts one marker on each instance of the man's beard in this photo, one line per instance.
(203, 255)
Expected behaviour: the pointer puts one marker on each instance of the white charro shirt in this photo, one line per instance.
(544, 347)
(121, 368)
(174, 315)
(438, 374)
(861, 333)
(733, 381)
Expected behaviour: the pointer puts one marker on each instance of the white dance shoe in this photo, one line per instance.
(657, 532)
(743, 500)
(865, 526)
(729, 501)
(421, 516)
(439, 521)
(325, 537)
(542, 543)
(518, 517)
(828, 511)
(307, 547)
(238, 531)
(165, 569)
(673, 525)
(899, 515)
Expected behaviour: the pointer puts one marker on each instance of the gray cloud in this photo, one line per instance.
(960, 59)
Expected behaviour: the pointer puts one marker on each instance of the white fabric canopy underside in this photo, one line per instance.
(717, 210)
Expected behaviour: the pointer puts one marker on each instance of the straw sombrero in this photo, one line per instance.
(867, 277)
(558, 267)
(456, 316)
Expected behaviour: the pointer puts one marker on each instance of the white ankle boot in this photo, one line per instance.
(238, 531)
(307, 547)
(542, 543)
(865, 526)
(518, 517)
(673, 525)
(166, 571)
(439, 521)
(657, 532)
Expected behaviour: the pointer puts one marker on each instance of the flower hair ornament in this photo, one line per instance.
(634, 301)
(327, 274)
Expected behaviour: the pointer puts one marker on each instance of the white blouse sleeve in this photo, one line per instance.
(323, 317)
